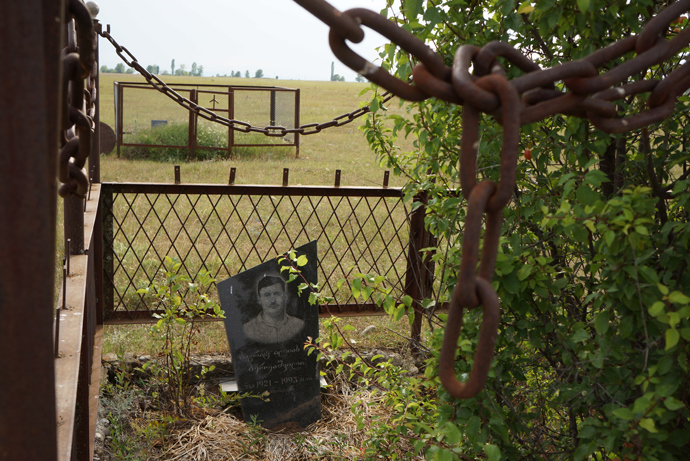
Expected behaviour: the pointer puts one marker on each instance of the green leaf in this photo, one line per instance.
(586, 195)
(678, 297)
(413, 8)
(672, 337)
(525, 8)
(493, 452)
(656, 309)
(673, 404)
(302, 261)
(356, 288)
(453, 434)
(524, 272)
(580, 336)
(648, 423)
(601, 323)
(623, 413)
(180, 321)
(662, 288)
(583, 5)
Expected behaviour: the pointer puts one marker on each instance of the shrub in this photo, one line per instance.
(177, 134)
(176, 329)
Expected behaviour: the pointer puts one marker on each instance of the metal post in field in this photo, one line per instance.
(192, 125)
(297, 103)
(231, 115)
(272, 117)
(30, 114)
(419, 276)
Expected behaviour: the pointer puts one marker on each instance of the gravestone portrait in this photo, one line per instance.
(268, 323)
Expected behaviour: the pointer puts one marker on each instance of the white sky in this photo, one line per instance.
(278, 36)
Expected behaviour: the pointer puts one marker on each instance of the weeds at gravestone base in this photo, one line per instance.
(412, 400)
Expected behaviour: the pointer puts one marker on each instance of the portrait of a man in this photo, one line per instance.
(273, 324)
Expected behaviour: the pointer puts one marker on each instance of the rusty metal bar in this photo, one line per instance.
(31, 32)
(231, 180)
(97, 246)
(297, 122)
(337, 178)
(286, 176)
(119, 114)
(68, 246)
(418, 276)
(74, 223)
(386, 177)
(177, 174)
(192, 126)
(231, 115)
(108, 273)
(249, 189)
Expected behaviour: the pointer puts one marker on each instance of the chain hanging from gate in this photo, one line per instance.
(526, 99)
(79, 91)
(237, 125)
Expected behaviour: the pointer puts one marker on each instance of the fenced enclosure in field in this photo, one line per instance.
(228, 229)
(148, 121)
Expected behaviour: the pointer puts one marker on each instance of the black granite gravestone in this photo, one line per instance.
(267, 324)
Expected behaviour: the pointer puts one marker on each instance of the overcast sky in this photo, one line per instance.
(277, 36)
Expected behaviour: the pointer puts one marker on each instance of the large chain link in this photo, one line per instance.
(78, 64)
(237, 125)
(531, 97)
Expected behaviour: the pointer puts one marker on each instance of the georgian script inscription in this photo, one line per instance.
(268, 323)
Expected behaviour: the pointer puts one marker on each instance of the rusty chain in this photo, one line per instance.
(78, 64)
(528, 98)
(237, 125)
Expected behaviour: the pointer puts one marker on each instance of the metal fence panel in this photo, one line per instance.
(228, 229)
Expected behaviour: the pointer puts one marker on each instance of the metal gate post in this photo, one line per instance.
(30, 120)
(192, 125)
(108, 264)
(420, 268)
(231, 116)
(297, 102)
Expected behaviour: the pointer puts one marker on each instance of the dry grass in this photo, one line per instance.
(136, 339)
(335, 436)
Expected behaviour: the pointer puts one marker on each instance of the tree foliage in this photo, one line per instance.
(592, 271)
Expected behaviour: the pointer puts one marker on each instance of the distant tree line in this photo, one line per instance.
(195, 71)
(119, 69)
(258, 74)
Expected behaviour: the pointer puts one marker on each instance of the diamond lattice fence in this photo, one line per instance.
(228, 229)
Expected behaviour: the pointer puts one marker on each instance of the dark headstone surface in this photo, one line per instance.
(272, 358)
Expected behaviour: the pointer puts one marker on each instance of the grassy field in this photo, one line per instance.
(321, 154)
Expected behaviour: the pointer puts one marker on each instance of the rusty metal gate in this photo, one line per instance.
(140, 110)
